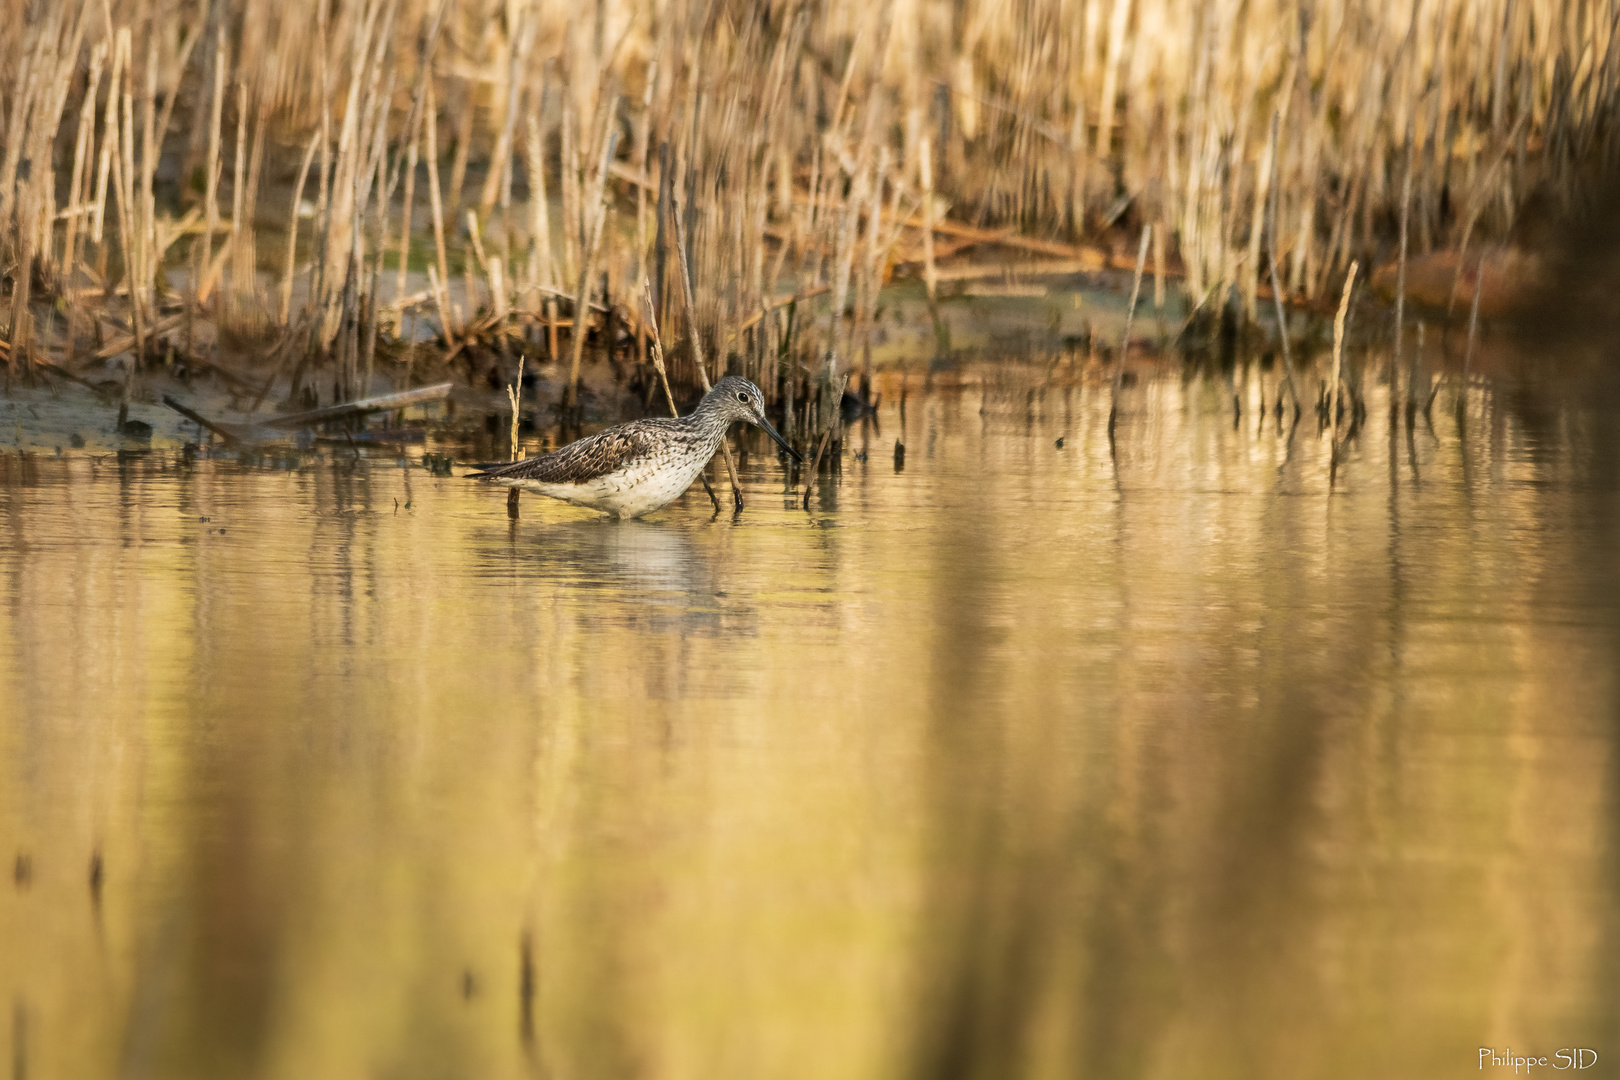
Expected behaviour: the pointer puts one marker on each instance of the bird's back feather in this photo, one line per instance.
(583, 461)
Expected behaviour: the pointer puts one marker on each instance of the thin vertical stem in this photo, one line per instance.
(1125, 338)
(1338, 353)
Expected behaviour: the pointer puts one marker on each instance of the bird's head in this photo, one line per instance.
(735, 398)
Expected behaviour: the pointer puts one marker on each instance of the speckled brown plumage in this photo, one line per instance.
(606, 452)
(636, 468)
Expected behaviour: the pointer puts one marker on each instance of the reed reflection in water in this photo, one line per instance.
(1008, 763)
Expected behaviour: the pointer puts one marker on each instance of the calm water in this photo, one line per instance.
(1011, 763)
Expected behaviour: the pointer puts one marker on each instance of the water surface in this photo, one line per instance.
(1018, 761)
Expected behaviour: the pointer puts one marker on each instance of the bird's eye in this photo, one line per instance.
(742, 395)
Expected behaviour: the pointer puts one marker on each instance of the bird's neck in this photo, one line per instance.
(710, 418)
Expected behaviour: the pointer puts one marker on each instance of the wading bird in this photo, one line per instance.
(633, 469)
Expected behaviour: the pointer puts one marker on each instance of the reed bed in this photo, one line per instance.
(302, 183)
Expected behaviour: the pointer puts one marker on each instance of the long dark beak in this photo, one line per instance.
(759, 418)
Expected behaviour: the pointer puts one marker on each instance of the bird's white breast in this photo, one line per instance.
(641, 487)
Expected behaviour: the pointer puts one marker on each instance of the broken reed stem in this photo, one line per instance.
(1338, 353)
(1125, 339)
(514, 394)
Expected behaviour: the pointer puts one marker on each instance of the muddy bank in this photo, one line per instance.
(1019, 311)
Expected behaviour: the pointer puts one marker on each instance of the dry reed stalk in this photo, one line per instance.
(643, 145)
(109, 140)
(235, 239)
(610, 142)
(663, 373)
(1276, 287)
(292, 228)
(211, 179)
(440, 285)
(925, 165)
(1158, 274)
(1125, 338)
(124, 172)
(441, 304)
(870, 270)
(146, 170)
(407, 211)
(514, 393)
(836, 396)
(658, 353)
(848, 229)
(47, 90)
(1400, 280)
(1175, 95)
(500, 158)
(697, 343)
(1473, 321)
(573, 220)
(323, 190)
(1338, 353)
(245, 272)
(83, 150)
(541, 267)
(464, 137)
(491, 269)
(192, 35)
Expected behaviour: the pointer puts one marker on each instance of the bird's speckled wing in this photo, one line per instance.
(585, 460)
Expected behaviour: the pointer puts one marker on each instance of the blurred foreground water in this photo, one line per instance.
(1008, 763)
